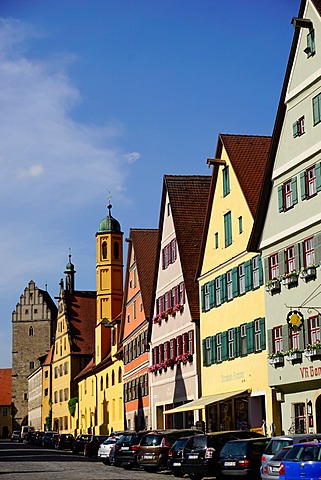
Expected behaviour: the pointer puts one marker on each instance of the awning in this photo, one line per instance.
(203, 401)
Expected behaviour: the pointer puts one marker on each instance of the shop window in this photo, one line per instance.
(299, 417)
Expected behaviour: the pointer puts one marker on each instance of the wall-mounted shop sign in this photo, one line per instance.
(295, 320)
(310, 372)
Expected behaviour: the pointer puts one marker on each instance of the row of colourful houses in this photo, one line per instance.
(218, 320)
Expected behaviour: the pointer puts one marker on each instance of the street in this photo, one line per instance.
(21, 461)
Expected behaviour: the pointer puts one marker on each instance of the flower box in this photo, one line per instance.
(290, 280)
(294, 357)
(273, 286)
(313, 353)
(277, 361)
(308, 273)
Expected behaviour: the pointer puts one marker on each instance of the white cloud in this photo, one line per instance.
(32, 171)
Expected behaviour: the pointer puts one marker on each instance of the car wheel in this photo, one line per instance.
(195, 476)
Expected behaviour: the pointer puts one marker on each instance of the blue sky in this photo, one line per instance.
(103, 96)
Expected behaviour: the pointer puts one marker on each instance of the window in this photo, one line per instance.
(119, 375)
(25, 396)
(46, 374)
(101, 383)
(56, 397)
(256, 272)
(104, 250)
(172, 346)
(135, 278)
(299, 418)
(290, 259)
(228, 229)
(216, 240)
(311, 182)
(207, 359)
(61, 397)
(31, 365)
(230, 343)
(218, 291)
(4, 411)
(113, 377)
(294, 339)
(314, 330)
(226, 181)
(191, 341)
(274, 266)
(169, 254)
(277, 339)
(219, 347)
(316, 104)
(308, 251)
(134, 306)
(107, 381)
(207, 296)
(181, 293)
(243, 341)
(298, 127)
(257, 335)
(240, 224)
(46, 392)
(310, 48)
(229, 285)
(66, 394)
(287, 194)
(30, 331)
(168, 209)
(241, 279)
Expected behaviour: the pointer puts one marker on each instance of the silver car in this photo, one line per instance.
(271, 468)
(105, 447)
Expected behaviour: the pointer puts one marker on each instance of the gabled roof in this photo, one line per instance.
(49, 357)
(188, 197)
(81, 314)
(267, 180)
(247, 154)
(6, 386)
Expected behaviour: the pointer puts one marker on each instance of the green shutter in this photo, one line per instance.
(281, 199)
(237, 340)
(285, 337)
(297, 256)
(213, 349)
(294, 191)
(303, 185)
(250, 337)
(204, 352)
(270, 342)
(282, 265)
(295, 129)
(212, 294)
(317, 248)
(203, 298)
(301, 253)
(248, 275)
(223, 287)
(260, 270)
(235, 282)
(266, 269)
(262, 326)
(301, 338)
(318, 176)
(228, 229)
(224, 346)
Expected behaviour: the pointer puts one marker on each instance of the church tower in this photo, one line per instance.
(109, 282)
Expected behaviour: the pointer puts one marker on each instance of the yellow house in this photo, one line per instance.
(235, 392)
(73, 348)
(46, 418)
(100, 388)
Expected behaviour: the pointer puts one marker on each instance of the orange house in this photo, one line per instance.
(136, 314)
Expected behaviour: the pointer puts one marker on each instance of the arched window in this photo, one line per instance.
(31, 332)
(119, 374)
(104, 249)
(116, 250)
(107, 381)
(113, 377)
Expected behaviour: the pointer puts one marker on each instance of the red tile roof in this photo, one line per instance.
(81, 313)
(188, 196)
(248, 155)
(49, 356)
(5, 386)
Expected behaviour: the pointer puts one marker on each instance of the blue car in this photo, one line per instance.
(303, 460)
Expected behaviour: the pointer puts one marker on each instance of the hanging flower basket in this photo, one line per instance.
(277, 359)
(290, 279)
(308, 273)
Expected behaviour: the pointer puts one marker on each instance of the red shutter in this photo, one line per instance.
(166, 353)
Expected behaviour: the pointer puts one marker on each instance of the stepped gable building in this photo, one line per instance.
(137, 312)
(100, 388)
(174, 329)
(235, 393)
(33, 326)
(287, 231)
(74, 346)
(5, 402)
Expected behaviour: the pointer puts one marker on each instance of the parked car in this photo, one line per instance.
(64, 441)
(52, 440)
(79, 443)
(174, 461)
(126, 449)
(154, 447)
(242, 458)
(271, 468)
(46, 439)
(105, 447)
(303, 461)
(92, 446)
(200, 454)
(15, 436)
(277, 443)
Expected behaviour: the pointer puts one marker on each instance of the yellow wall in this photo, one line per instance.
(46, 386)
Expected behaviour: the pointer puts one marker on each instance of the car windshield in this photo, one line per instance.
(304, 453)
(151, 440)
(275, 445)
(179, 444)
(110, 440)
